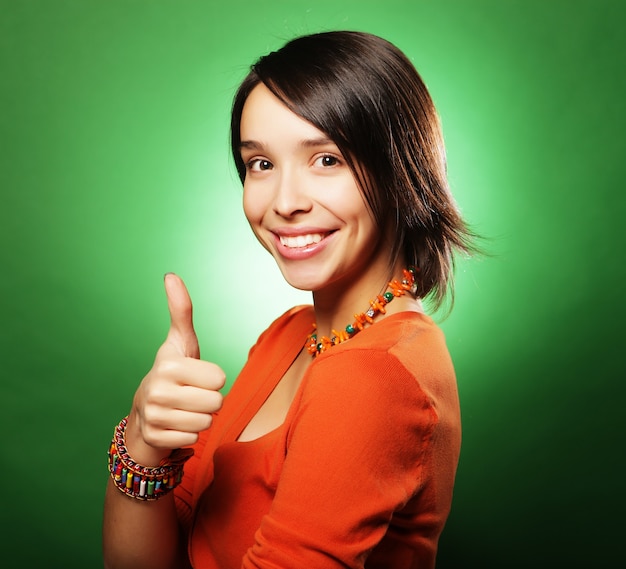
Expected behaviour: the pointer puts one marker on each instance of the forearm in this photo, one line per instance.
(141, 533)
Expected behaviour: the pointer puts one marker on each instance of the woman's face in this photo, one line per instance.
(301, 198)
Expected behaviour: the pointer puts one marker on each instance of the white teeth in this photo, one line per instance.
(301, 240)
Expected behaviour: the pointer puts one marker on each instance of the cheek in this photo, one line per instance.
(350, 204)
(358, 216)
(253, 206)
(254, 212)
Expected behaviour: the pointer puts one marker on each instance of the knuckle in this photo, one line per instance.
(149, 415)
(150, 436)
(158, 395)
(169, 367)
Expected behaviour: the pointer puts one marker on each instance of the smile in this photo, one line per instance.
(303, 245)
(299, 241)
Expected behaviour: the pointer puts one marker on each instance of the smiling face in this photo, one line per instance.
(302, 200)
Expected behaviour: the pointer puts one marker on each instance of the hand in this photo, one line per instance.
(175, 400)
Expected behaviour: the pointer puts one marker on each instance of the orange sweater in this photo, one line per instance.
(361, 472)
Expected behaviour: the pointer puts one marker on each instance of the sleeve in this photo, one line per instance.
(355, 456)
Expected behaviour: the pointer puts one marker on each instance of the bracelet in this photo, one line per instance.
(144, 482)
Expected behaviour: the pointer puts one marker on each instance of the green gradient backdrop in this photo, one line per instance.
(114, 169)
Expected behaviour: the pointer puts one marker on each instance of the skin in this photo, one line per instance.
(298, 183)
(297, 186)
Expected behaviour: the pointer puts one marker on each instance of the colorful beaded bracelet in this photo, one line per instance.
(144, 482)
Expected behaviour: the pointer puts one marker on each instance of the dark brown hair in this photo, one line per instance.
(365, 94)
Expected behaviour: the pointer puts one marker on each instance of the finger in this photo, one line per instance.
(187, 371)
(185, 398)
(178, 420)
(176, 429)
(197, 400)
(181, 333)
(170, 439)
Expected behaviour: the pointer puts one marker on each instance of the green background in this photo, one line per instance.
(114, 169)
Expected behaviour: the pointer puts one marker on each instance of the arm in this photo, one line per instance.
(131, 527)
(171, 407)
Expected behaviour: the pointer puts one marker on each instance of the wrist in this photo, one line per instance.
(137, 480)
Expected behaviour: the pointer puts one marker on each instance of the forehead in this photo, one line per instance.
(265, 116)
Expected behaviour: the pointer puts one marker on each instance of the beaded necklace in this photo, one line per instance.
(315, 345)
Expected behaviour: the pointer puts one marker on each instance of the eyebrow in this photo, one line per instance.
(306, 143)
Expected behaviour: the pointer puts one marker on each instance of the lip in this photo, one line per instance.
(301, 253)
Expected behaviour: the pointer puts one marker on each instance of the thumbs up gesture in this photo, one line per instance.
(175, 400)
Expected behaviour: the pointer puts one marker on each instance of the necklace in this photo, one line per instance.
(315, 345)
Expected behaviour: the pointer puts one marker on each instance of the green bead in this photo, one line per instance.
(388, 296)
(350, 329)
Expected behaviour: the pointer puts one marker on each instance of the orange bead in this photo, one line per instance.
(341, 336)
(359, 321)
(378, 304)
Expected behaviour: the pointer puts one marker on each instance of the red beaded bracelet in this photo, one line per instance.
(144, 482)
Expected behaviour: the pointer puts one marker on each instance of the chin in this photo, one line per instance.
(303, 279)
(307, 285)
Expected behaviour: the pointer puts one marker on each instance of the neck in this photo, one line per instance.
(336, 305)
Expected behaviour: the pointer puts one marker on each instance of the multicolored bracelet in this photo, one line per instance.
(144, 482)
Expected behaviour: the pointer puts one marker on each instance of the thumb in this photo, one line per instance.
(181, 333)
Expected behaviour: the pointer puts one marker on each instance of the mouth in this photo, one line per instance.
(300, 241)
(303, 245)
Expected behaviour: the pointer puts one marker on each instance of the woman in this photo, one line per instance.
(337, 446)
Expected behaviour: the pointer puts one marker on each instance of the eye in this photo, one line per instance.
(327, 161)
(258, 165)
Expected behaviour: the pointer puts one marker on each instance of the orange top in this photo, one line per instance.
(361, 472)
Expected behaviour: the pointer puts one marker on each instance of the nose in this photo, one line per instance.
(291, 197)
